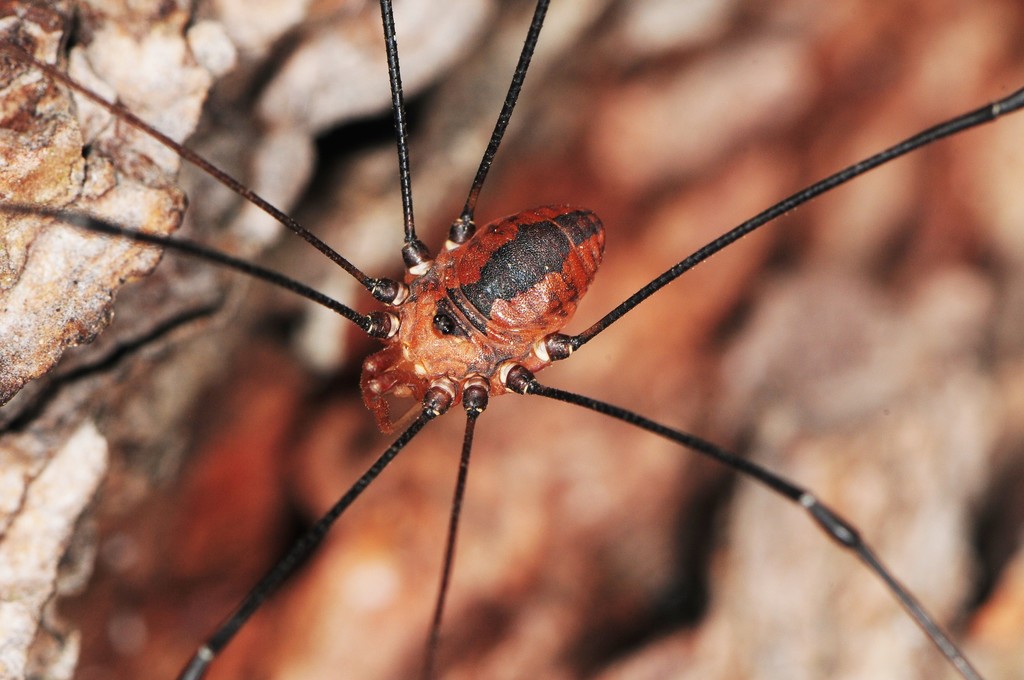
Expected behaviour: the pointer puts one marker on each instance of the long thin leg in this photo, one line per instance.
(980, 116)
(384, 290)
(414, 252)
(376, 324)
(839, 529)
(475, 401)
(463, 227)
(205, 655)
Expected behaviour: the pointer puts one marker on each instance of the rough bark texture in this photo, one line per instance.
(869, 346)
(58, 284)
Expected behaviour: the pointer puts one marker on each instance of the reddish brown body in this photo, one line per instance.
(485, 303)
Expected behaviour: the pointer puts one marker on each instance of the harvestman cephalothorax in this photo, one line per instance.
(811, 308)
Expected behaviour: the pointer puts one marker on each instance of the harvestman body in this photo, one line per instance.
(483, 316)
(487, 305)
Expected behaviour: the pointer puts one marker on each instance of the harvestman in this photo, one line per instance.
(468, 304)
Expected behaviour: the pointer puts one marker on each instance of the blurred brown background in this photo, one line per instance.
(868, 346)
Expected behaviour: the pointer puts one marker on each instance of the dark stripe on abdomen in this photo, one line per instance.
(579, 225)
(538, 249)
